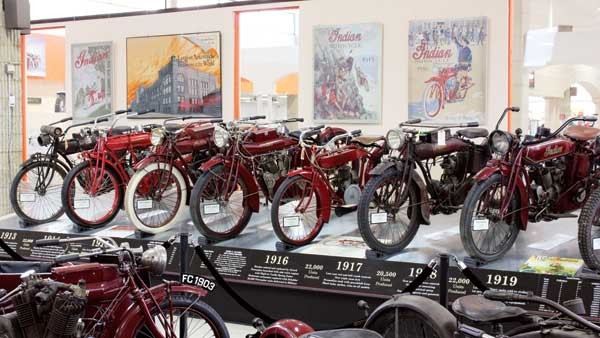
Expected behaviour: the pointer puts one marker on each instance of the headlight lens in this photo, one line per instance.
(395, 139)
(155, 260)
(500, 142)
(221, 137)
(157, 137)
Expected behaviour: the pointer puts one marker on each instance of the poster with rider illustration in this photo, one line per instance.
(347, 73)
(447, 69)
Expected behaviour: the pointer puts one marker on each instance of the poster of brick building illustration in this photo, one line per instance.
(347, 73)
(175, 74)
(91, 79)
(447, 69)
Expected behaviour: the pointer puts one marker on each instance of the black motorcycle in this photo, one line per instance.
(396, 200)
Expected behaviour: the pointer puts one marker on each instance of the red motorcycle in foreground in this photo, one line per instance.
(334, 176)
(258, 160)
(531, 180)
(92, 192)
(158, 192)
(106, 298)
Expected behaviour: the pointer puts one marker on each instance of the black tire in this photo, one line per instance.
(201, 188)
(368, 197)
(589, 231)
(466, 222)
(14, 191)
(193, 306)
(66, 191)
(416, 316)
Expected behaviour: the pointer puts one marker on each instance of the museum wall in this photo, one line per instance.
(394, 15)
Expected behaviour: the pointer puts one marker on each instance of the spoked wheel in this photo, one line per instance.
(35, 192)
(155, 197)
(218, 204)
(413, 317)
(589, 231)
(432, 99)
(484, 234)
(387, 212)
(92, 196)
(296, 213)
(201, 320)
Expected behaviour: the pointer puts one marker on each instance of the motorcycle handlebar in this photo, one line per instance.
(470, 124)
(356, 132)
(123, 111)
(514, 109)
(61, 121)
(146, 111)
(590, 118)
(252, 118)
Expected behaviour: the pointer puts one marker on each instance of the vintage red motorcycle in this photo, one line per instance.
(532, 179)
(158, 192)
(105, 298)
(335, 175)
(442, 88)
(256, 158)
(92, 192)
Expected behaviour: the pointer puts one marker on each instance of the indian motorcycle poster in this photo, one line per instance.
(347, 73)
(91, 79)
(447, 69)
(36, 56)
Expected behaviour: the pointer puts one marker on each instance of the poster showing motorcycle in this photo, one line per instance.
(36, 56)
(447, 69)
(347, 73)
(91, 79)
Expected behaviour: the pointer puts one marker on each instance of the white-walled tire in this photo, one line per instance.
(147, 207)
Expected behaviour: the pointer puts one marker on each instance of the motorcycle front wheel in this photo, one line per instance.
(92, 196)
(35, 192)
(155, 198)
(484, 235)
(201, 320)
(296, 211)
(432, 99)
(218, 204)
(589, 231)
(387, 213)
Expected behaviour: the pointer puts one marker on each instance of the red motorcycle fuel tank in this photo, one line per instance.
(196, 137)
(340, 157)
(266, 140)
(101, 280)
(556, 147)
(124, 142)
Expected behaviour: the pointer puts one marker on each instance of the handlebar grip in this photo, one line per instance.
(147, 111)
(590, 118)
(104, 119)
(470, 124)
(215, 121)
(46, 242)
(319, 127)
(356, 132)
(514, 109)
(64, 120)
(413, 121)
(66, 258)
(252, 118)
(299, 119)
(123, 111)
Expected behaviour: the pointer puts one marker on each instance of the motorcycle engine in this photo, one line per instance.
(45, 309)
(547, 180)
(341, 178)
(274, 166)
(453, 172)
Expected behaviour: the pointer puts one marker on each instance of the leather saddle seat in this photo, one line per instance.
(368, 141)
(346, 333)
(479, 309)
(18, 267)
(582, 133)
(472, 132)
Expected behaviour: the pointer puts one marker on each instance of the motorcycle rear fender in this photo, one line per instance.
(494, 167)
(130, 315)
(421, 188)
(321, 190)
(245, 175)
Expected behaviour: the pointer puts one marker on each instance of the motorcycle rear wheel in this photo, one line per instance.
(202, 320)
(307, 224)
(215, 218)
(589, 231)
(45, 207)
(474, 240)
(396, 233)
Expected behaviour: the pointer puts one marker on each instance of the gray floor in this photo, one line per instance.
(341, 238)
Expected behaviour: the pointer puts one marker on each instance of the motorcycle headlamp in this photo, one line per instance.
(395, 139)
(157, 136)
(155, 260)
(500, 142)
(221, 137)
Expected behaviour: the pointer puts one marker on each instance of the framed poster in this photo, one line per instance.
(91, 79)
(447, 69)
(347, 73)
(175, 74)
(35, 48)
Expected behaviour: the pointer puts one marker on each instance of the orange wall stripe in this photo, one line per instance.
(23, 101)
(236, 67)
(510, 70)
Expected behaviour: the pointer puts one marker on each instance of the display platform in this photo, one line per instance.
(321, 283)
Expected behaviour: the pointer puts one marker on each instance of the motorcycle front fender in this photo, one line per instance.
(321, 190)
(131, 316)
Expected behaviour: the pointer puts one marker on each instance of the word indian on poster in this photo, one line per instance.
(91, 77)
(347, 73)
(447, 70)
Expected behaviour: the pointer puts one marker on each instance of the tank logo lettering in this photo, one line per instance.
(553, 151)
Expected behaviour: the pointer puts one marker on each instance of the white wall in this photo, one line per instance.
(394, 15)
